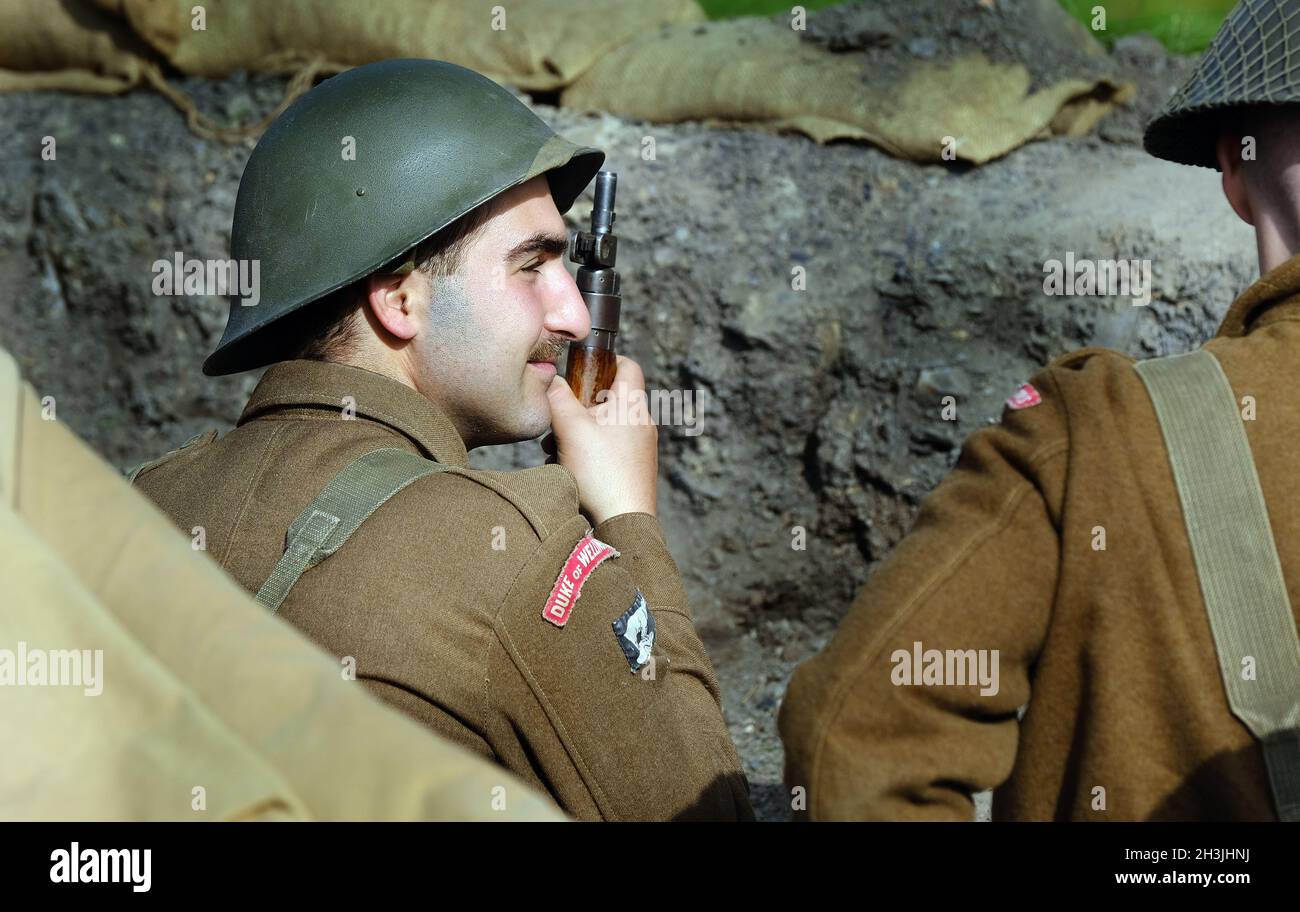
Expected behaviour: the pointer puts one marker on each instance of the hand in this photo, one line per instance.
(612, 448)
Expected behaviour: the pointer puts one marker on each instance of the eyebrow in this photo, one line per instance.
(541, 242)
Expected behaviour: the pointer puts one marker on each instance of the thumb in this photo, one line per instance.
(564, 405)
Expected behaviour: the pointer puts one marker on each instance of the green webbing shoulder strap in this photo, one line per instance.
(1236, 557)
(363, 486)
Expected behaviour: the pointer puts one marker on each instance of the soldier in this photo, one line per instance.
(165, 731)
(406, 218)
(1110, 554)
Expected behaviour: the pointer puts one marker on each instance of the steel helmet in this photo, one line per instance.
(1254, 59)
(431, 141)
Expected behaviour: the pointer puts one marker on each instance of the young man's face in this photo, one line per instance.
(499, 327)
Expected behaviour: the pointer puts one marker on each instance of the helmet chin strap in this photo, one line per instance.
(406, 264)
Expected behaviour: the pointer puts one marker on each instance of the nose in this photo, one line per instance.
(566, 311)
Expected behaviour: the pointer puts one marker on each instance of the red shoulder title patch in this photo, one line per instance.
(1024, 397)
(588, 554)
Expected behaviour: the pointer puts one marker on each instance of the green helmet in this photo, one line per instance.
(1252, 60)
(430, 141)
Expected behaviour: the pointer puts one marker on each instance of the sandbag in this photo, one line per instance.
(88, 46)
(544, 44)
(757, 72)
(71, 45)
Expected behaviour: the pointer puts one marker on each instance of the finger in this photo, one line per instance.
(564, 405)
(628, 376)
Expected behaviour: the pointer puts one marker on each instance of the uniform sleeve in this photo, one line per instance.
(609, 735)
(872, 733)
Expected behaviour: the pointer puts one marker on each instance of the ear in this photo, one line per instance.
(1228, 151)
(392, 299)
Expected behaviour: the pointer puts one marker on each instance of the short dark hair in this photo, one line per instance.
(332, 331)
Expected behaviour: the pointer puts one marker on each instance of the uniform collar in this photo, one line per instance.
(324, 384)
(1274, 296)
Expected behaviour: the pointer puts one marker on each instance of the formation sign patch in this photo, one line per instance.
(635, 632)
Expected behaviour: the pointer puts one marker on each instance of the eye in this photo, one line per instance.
(535, 268)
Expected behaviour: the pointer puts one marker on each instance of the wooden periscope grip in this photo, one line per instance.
(590, 371)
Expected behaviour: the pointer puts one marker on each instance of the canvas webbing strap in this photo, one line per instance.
(1236, 558)
(345, 503)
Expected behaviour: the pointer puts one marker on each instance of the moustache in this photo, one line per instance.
(549, 350)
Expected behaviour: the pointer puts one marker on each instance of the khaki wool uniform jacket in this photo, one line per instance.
(1111, 649)
(438, 597)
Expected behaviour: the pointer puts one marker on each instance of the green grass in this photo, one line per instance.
(1183, 26)
(728, 9)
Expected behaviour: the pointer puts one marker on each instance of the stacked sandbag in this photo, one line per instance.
(538, 45)
(661, 62)
(757, 71)
(70, 44)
